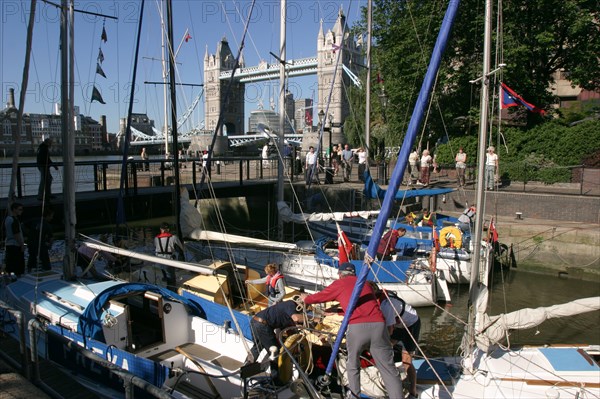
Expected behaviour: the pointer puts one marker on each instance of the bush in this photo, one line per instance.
(545, 153)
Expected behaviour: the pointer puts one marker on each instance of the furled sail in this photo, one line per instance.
(287, 215)
(496, 328)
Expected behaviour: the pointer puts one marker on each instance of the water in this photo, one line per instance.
(442, 328)
(442, 331)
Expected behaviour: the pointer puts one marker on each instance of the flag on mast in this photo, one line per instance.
(509, 98)
(104, 37)
(99, 70)
(97, 96)
(100, 56)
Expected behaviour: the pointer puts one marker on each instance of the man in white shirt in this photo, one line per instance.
(312, 169)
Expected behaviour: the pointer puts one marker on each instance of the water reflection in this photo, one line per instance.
(442, 329)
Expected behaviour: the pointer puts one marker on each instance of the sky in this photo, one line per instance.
(206, 21)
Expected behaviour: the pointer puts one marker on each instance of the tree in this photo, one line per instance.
(537, 39)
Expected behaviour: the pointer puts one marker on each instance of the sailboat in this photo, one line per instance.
(154, 339)
(487, 368)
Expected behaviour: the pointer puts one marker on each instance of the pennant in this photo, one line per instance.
(97, 96)
(344, 247)
(100, 56)
(99, 70)
(335, 47)
(187, 37)
(509, 98)
(103, 37)
(493, 233)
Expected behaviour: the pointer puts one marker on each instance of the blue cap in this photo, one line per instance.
(347, 267)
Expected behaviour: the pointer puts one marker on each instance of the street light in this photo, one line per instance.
(321, 118)
(383, 100)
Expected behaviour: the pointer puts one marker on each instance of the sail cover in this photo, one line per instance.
(287, 215)
(372, 190)
(496, 328)
(90, 322)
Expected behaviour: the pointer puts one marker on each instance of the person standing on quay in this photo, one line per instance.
(347, 159)
(43, 164)
(425, 164)
(14, 255)
(362, 163)
(491, 168)
(461, 165)
(144, 156)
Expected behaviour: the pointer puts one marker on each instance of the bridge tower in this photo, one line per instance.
(215, 89)
(337, 40)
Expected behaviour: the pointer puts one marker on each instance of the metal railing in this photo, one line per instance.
(95, 176)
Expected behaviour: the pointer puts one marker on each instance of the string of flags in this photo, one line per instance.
(509, 98)
(96, 96)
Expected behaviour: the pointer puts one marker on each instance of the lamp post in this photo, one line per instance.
(330, 117)
(319, 126)
(383, 100)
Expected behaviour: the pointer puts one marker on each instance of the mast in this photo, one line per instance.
(483, 126)
(282, 110)
(173, 112)
(368, 88)
(24, 83)
(67, 90)
(164, 74)
(398, 172)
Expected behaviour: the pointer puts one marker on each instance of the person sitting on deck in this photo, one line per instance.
(426, 218)
(275, 284)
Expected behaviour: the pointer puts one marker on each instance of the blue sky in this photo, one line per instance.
(207, 21)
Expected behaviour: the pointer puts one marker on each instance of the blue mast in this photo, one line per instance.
(397, 174)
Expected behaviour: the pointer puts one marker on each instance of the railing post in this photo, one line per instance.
(104, 176)
(134, 168)
(96, 181)
(241, 171)
(194, 173)
(19, 188)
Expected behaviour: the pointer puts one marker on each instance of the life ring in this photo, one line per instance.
(298, 345)
(451, 236)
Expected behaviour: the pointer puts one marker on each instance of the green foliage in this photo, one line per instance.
(545, 153)
(538, 39)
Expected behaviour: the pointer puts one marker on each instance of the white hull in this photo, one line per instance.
(419, 289)
(530, 372)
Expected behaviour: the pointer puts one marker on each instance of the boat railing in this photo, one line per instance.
(105, 175)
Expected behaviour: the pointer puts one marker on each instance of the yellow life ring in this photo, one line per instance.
(298, 345)
(451, 237)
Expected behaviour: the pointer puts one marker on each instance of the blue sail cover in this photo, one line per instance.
(397, 174)
(372, 190)
(90, 322)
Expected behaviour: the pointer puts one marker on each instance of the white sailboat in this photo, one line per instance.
(488, 367)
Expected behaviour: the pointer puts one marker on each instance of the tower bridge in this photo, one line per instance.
(336, 63)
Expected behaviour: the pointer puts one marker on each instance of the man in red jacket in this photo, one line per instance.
(366, 330)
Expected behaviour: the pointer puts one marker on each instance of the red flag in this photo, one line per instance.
(493, 232)
(509, 98)
(308, 117)
(379, 78)
(344, 247)
(187, 37)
